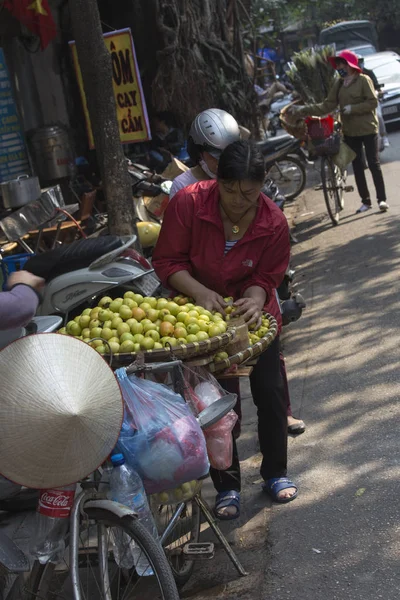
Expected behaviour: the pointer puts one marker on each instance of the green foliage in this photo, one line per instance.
(311, 74)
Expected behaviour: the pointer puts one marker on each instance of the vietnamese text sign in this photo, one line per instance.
(13, 156)
(131, 107)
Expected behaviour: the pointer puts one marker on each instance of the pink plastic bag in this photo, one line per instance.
(202, 389)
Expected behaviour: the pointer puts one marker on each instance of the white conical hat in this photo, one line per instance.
(61, 410)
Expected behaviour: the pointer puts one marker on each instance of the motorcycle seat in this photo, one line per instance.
(71, 257)
(275, 144)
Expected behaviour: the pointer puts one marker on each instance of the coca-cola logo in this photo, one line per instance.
(50, 500)
(56, 503)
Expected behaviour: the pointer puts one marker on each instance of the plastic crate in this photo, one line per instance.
(10, 264)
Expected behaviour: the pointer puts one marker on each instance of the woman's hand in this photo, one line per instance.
(210, 300)
(26, 278)
(250, 310)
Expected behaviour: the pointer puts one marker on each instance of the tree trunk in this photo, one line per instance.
(96, 67)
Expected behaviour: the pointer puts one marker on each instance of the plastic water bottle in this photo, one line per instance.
(126, 487)
(51, 527)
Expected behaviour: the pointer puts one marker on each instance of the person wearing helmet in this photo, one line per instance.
(210, 133)
(382, 127)
(354, 93)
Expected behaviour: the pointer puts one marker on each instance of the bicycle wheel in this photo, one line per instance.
(330, 186)
(100, 577)
(289, 174)
(187, 529)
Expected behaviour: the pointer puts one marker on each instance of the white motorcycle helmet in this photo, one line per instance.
(212, 131)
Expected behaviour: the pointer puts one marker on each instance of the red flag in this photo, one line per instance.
(36, 16)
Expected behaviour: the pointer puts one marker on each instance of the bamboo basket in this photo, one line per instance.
(250, 352)
(295, 126)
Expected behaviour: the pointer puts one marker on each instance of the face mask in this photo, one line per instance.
(206, 170)
(342, 72)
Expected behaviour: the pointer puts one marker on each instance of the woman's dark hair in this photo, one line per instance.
(241, 160)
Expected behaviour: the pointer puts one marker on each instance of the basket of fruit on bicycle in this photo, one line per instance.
(160, 328)
(323, 140)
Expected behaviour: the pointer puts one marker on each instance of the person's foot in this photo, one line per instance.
(383, 206)
(385, 141)
(280, 489)
(227, 505)
(295, 426)
(363, 208)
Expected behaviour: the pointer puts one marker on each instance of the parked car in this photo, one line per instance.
(351, 34)
(386, 66)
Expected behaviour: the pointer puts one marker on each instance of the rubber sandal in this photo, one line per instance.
(296, 428)
(274, 485)
(225, 499)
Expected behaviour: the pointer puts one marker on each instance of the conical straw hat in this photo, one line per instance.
(61, 410)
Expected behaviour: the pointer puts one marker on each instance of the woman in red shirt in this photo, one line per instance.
(225, 238)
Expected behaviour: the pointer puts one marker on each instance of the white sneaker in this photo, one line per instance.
(363, 208)
(385, 141)
(383, 206)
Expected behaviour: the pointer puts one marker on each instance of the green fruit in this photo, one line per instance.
(126, 336)
(123, 328)
(87, 311)
(63, 331)
(147, 343)
(137, 298)
(136, 327)
(101, 349)
(153, 334)
(77, 319)
(105, 301)
(115, 306)
(84, 321)
(95, 323)
(96, 343)
(115, 322)
(107, 324)
(157, 346)
(125, 312)
(105, 315)
(85, 332)
(191, 338)
(130, 303)
(127, 346)
(138, 338)
(114, 346)
(149, 327)
(129, 294)
(163, 498)
(150, 300)
(114, 339)
(73, 328)
(193, 328)
(202, 336)
(136, 347)
(106, 333)
(95, 332)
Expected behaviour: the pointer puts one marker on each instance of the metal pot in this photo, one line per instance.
(20, 191)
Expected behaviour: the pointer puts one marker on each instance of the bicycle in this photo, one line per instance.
(333, 185)
(289, 174)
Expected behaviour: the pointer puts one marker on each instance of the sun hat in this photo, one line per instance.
(61, 410)
(347, 56)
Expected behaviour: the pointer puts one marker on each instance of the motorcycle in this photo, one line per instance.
(285, 160)
(280, 101)
(78, 273)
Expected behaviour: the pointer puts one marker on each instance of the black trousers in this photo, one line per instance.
(268, 395)
(370, 143)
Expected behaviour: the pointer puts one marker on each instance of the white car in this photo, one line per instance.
(386, 66)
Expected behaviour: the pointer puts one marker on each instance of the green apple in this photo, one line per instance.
(87, 311)
(161, 303)
(138, 338)
(147, 343)
(157, 346)
(84, 321)
(105, 315)
(106, 333)
(154, 335)
(123, 328)
(129, 302)
(101, 349)
(127, 346)
(114, 346)
(152, 314)
(150, 300)
(95, 332)
(96, 343)
(202, 336)
(191, 338)
(73, 328)
(115, 305)
(85, 332)
(115, 322)
(136, 347)
(63, 331)
(125, 312)
(95, 323)
(126, 336)
(129, 294)
(136, 327)
(105, 301)
(193, 328)
(137, 298)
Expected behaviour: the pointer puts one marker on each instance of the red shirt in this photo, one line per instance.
(192, 239)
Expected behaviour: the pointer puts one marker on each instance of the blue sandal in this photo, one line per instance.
(225, 499)
(274, 485)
